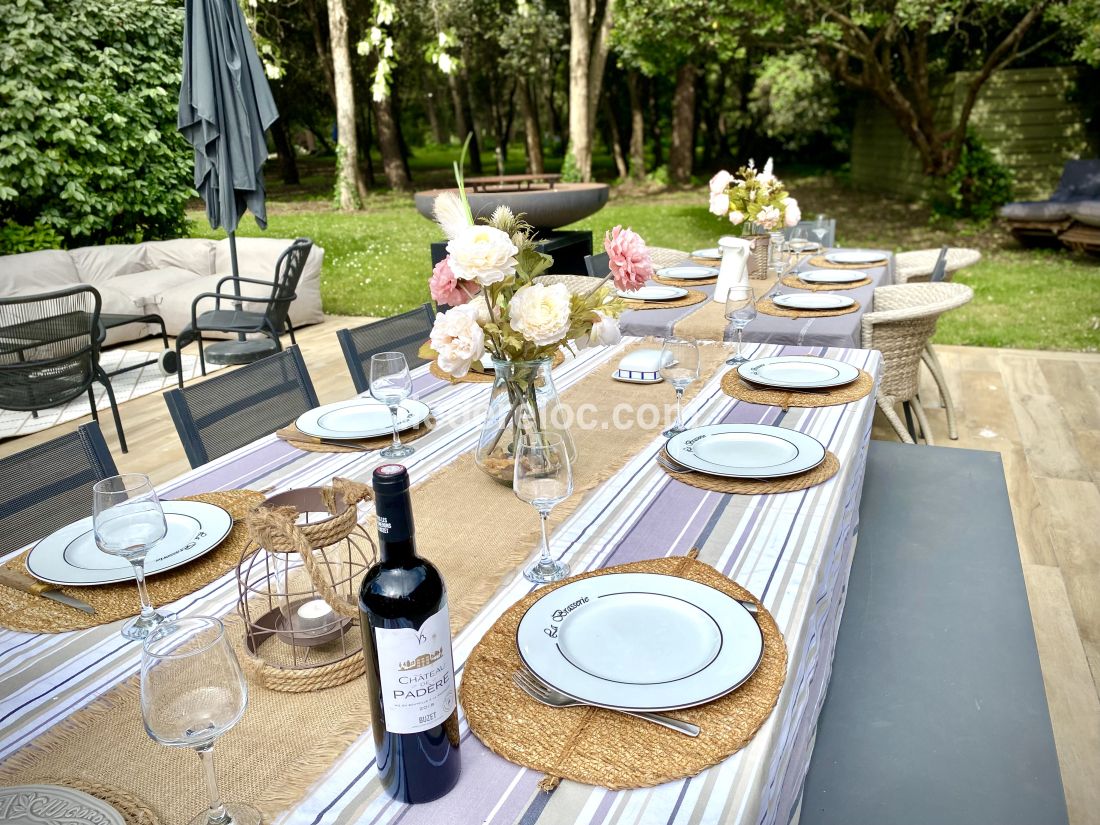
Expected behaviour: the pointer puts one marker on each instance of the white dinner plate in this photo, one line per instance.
(710, 254)
(360, 418)
(854, 256)
(640, 641)
(798, 372)
(688, 272)
(832, 276)
(655, 293)
(38, 804)
(637, 376)
(746, 450)
(812, 300)
(70, 556)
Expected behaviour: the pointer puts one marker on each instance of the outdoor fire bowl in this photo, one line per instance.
(543, 208)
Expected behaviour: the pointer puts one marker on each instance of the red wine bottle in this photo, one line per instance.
(407, 647)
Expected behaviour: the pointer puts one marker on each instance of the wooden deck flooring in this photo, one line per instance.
(1040, 410)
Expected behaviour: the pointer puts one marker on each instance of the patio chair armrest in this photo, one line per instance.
(218, 296)
(241, 278)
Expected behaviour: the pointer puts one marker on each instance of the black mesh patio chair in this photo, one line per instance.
(939, 271)
(49, 485)
(404, 333)
(597, 265)
(49, 352)
(229, 410)
(272, 322)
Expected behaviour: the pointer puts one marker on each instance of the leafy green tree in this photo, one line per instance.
(88, 142)
(793, 98)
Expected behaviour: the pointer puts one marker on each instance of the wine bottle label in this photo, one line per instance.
(417, 674)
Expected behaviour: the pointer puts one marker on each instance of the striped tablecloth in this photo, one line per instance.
(793, 550)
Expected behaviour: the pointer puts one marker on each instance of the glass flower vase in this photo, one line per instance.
(523, 402)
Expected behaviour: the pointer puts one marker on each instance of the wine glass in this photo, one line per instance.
(193, 691)
(391, 384)
(127, 520)
(543, 477)
(740, 310)
(679, 366)
(821, 229)
(799, 240)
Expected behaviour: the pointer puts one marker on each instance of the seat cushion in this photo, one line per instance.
(99, 264)
(193, 254)
(1035, 211)
(1087, 212)
(118, 302)
(148, 288)
(175, 303)
(32, 273)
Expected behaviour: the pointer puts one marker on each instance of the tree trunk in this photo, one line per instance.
(348, 180)
(431, 109)
(471, 125)
(390, 145)
(531, 132)
(682, 146)
(614, 140)
(462, 127)
(366, 141)
(637, 128)
(288, 162)
(655, 125)
(589, 27)
(324, 53)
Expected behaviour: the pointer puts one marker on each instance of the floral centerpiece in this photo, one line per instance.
(753, 198)
(498, 309)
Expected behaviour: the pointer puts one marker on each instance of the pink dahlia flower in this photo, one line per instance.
(446, 288)
(628, 258)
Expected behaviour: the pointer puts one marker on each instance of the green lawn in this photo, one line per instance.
(377, 261)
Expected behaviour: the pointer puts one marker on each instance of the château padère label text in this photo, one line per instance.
(417, 674)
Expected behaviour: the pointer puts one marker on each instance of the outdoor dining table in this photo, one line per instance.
(792, 550)
(828, 331)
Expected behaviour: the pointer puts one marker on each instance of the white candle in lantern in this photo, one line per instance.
(314, 615)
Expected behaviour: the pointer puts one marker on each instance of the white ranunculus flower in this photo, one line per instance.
(457, 339)
(540, 313)
(605, 332)
(483, 254)
(768, 217)
(719, 182)
(737, 217)
(719, 204)
(792, 213)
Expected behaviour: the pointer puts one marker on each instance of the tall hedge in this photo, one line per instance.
(89, 151)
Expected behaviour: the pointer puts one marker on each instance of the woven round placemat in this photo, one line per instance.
(759, 487)
(133, 810)
(296, 438)
(602, 747)
(768, 307)
(693, 297)
(735, 386)
(35, 614)
(688, 282)
(798, 283)
(821, 262)
(473, 377)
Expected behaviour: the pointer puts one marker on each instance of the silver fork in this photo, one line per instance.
(538, 690)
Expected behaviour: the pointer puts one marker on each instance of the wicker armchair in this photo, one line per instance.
(918, 265)
(900, 327)
(663, 256)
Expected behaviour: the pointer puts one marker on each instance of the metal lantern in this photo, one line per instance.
(298, 584)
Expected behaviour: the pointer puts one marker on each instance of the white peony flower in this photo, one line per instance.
(483, 254)
(457, 339)
(719, 204)
(792, 213)
(737, 217)
(540, 313)
(719, 182)
(769, 217)
(605, 333)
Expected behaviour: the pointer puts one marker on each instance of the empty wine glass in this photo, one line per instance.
(799, 240)
(127, 520)
(391, 384)
(821, 229)
(543, 477)
(193, 691)
(740, 310)
(679, 366)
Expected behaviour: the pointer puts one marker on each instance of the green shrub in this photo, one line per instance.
(88, 140)
(15, 238)
(976, 187)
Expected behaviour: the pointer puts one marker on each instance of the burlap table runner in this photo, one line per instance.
(35, 614)
(601, 747)
(736, 387)
(821, 262)
(757, 487)
(285, 741)
(708, 323)
(693, 297)
(798, 283)
(475, 377)
(296, 438)
(768, 307)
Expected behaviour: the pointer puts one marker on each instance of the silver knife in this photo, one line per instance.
(27, 584)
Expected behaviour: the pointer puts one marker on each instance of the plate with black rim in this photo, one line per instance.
(745, 450)
(798, 372)
(640, 641)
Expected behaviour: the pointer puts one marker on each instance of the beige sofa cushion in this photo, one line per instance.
(118, 302)
(97, 265)
(32, 273)
(194, 254)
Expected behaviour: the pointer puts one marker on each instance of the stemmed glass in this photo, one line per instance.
(799, 240)
(679, 366)
(193, 691)
(543, 478)
(821, 229)
(740, 310)
(391, 384)
(128, 520)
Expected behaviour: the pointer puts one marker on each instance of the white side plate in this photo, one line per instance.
(813, 300)
(640, 641)
(38, 804)
(855, 256)
(360, 418)
(746, 450)
(688, 272)
(712, 253)
(798, 372)
(832, 276)
(70, 555)
(655, 293)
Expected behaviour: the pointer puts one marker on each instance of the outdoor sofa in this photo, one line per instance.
(159, 277)
(1070, 216)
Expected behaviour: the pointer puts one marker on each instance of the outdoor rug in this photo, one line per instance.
(129, 385)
